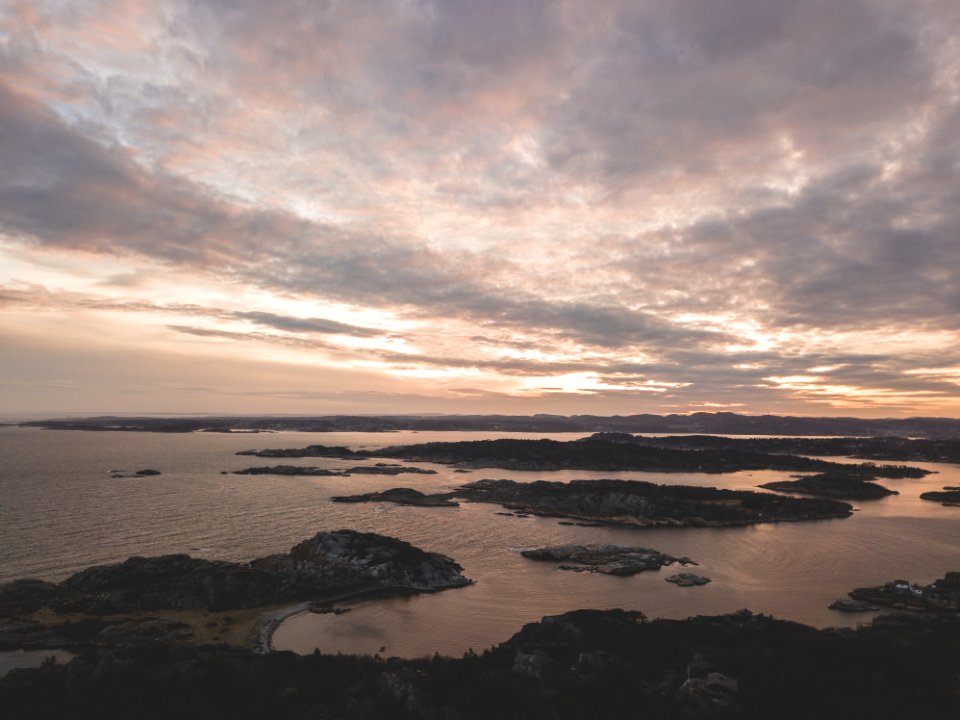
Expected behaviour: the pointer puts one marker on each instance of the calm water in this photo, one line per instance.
(60, 511)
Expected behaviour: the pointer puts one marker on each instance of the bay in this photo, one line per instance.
(61, 511)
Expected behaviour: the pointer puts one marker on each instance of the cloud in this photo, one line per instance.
(703, 195)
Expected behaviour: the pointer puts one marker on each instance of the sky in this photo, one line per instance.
(479, 206)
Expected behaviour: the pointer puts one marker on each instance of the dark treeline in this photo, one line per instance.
(585, 664)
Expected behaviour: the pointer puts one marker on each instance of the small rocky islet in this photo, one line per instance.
(833, 485)
(146, 472)
(949, 496)
(401, 496)
(297, 470)
(604, 559)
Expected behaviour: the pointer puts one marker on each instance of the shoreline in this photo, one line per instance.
(268, 623)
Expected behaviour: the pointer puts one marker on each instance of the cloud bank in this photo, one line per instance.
(614, 206)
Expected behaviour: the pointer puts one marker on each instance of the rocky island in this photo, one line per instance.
(941, 595)
(634, 503)
(832, 485)
(631, 503)
(148, 472)
(686, 579)
(949, 496)
(295, 470)
(378, 469)
(605, 559)
(401, 496)
(328, 566)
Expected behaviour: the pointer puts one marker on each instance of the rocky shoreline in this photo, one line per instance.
(940, 596)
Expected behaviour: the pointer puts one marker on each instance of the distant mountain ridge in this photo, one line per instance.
(723, 423)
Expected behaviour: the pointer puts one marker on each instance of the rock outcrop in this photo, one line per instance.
(606, 559)
(401, 496)
(688, 579)
(832, 485)
(291, 470)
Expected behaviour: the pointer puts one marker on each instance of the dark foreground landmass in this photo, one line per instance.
(328, 566)
(583, 664)
(630, 503)
(723, 423)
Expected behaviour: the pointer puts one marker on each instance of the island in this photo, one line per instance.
(174, 596)
(949, 496)
(634, 503)
(686, 579)
(378, 469)
(629, 503)
(941, 595)
(832, 485)
(401, 496)
(601, 452)
(295, 470)
(605, 559)
(148, 472)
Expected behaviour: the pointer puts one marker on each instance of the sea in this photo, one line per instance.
(61, 511)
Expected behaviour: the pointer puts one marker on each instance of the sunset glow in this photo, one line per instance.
(520, 207)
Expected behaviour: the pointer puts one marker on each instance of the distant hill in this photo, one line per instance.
(722, 423)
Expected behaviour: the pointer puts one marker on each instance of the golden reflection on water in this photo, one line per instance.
(61, 512)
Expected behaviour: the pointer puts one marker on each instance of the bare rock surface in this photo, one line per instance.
(605, 559)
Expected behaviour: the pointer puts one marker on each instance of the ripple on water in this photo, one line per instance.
(61, 512)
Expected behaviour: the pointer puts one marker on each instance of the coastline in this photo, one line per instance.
(268, 623)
